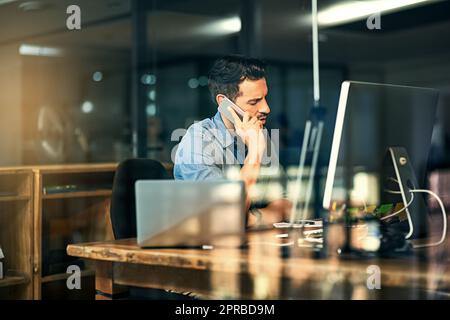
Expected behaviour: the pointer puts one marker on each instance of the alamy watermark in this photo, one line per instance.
(210, 146)
(374, 277)
(73, 21)
(373, 22)
(74, 280)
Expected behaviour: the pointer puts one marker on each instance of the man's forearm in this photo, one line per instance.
(250, 172)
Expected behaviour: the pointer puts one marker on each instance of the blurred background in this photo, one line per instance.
(137, 70)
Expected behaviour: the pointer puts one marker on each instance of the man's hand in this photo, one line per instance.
(276, 211)
(250, 130)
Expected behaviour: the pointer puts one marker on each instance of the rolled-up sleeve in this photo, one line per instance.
(198, 157)
(197, 172)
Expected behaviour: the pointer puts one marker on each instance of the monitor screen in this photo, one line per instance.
(372, 118)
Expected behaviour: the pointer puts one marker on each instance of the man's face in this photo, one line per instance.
(252, 98)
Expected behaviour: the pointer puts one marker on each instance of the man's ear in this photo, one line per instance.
(219, 98)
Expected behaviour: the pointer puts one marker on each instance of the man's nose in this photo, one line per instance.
(264, 107)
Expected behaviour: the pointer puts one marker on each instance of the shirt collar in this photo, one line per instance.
(225, 137)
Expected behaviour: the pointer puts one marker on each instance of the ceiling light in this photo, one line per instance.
(30, 50)
(193, 83)
(229, 25)
(356, 10)
(148, 79)
(32, 5)
(152, 95)
(97, 76)
(87, 107)
(222, 27)
(6, 1)
(151, 109)
(203, 81)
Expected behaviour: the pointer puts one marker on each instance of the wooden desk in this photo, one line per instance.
(262, 271)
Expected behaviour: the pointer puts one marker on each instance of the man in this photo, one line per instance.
(211, 146)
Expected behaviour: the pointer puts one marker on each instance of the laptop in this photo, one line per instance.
(175, 213)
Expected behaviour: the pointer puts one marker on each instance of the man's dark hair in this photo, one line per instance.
(228, 72)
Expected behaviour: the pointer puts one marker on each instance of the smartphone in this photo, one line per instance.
(223, 108)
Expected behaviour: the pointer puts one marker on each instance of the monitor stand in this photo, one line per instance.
(397, 167)
(417, 218)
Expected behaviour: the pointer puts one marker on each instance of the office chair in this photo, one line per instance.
(123, 212)
(123, 206)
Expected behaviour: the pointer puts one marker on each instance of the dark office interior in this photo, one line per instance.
(74, 103)
(91, 88)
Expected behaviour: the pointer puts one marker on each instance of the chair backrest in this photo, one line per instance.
(123, 206)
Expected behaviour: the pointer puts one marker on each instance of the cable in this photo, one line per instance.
(402, 209)
(401, 192)
(364, 204)
(444, 213)
(393, 179)
(444, 217)
(392, 191)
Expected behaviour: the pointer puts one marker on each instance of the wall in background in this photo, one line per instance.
(10, 106)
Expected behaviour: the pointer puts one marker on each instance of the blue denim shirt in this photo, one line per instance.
(206, 151)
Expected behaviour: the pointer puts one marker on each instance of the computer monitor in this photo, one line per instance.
(381, 142)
